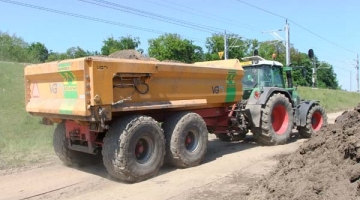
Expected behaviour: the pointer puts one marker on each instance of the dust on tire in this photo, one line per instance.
(265, 134)
(119, 148)
(307, 131)
(176, 129)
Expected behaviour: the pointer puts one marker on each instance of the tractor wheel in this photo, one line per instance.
(224, 137)
(134, 148)
(315, 119)
(69, 157)
(276, 121)
(186, 139)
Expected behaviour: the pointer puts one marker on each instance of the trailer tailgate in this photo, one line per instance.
(56, 88)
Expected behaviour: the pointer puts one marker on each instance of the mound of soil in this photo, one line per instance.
(130, 54)
(324, 167)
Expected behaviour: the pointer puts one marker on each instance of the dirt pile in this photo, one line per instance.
(324, 167)
(130, 54)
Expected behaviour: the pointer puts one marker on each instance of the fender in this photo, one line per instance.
(266, 92)
(253, 106)
(302, 110)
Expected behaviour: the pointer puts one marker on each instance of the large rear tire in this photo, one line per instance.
(69, 157)
(315, 119)
(134, 148)
(186, 139)
(276, 121)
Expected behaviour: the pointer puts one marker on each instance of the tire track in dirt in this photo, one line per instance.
(226, 173)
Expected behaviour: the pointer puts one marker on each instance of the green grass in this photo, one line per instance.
(332, 100)
(23, 140)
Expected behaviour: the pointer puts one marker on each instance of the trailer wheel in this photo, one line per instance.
(134, 148)
(186, 139)
(69, 157)
(276, 121)
(315, 119)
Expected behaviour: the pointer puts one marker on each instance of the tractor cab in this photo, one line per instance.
(259, 72)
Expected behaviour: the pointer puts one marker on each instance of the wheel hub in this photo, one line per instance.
(188, 140)
(143, 150)
(191, 141)
(316, 121)
(139, 149)
(280, 119)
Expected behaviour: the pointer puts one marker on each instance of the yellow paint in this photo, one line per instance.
(220, 53)
(171, 85)
(246, 63)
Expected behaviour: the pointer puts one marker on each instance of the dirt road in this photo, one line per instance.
(227, 172)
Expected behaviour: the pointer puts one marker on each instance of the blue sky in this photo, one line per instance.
(333, 20)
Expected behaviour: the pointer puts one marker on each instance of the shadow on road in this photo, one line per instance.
(216, 149)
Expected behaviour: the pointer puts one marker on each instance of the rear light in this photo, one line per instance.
(257, 94)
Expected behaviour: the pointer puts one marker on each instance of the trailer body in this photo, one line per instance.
(115, 107)
(80, 89)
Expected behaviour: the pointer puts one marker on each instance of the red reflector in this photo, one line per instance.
(257, 94)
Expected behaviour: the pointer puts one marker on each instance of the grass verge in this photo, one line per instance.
(23, 140)
(332, 100)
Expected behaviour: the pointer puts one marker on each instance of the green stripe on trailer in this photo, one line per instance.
(230, 86)
(70, 88)
(67, 106)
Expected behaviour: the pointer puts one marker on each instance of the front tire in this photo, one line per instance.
(134, 148)
(315, 119)
(186, 139)
(276, 121)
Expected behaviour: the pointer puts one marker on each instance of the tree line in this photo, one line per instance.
(174, 47)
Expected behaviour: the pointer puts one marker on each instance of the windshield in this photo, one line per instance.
(262, 75)
(250, 78)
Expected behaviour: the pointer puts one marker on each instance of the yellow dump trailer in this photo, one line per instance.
(114, 106)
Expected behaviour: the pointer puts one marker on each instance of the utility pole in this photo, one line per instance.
(225, 46)
(313, 78)
(287, 43)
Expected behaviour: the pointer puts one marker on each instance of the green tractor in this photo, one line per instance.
(271, 109)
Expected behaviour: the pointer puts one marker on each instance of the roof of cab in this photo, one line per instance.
(257, 60)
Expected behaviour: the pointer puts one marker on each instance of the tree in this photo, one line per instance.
(112, 45)
(13, 48)
(55, 56)
(38, 51)
(301, 68)
(72, 52)
(325, 76)
(76, 52)
(252, 44)
(237, 48)
(173, 47)
(214, 45)
(268, 48)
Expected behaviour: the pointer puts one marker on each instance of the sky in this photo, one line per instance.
(329, 27)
